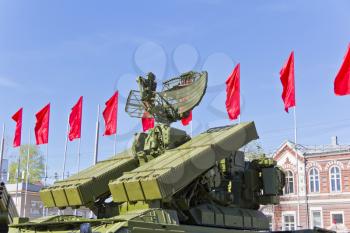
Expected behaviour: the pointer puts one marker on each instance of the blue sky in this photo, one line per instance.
(55, 51)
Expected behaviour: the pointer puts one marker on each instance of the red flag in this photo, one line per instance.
(147, 122)
(110, 115)
(287, 79)
(42, 125)
(185, 121)
(233, 94)
(342, 81)
(75, 120)
(17, 117)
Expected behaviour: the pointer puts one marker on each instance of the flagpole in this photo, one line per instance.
(97, 135)
(65, 150)
(78, 166)
(46, 174)
(115, 144)
(78, 163)
(27, 177)
(79, 142)
(240, 113)
(296, 156)
(96, 141)
(46, 163)
(115, 135)
(2, 149)
(18, 173)
(78, 169)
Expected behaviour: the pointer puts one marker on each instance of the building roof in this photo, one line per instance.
(22, 186)
(314, 150)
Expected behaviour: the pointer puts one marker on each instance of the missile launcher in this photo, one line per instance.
(168, 182)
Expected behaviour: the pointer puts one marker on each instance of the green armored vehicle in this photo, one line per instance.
(8, 211)
(168, 182)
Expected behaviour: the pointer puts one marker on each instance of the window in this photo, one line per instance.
(289, 188)
(36, 209)
(316, 218)
(288, 222)
(314, 181)
(335, 179)
(337, 217)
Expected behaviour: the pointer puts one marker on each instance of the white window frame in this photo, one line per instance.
(294, 184)
(337, 212)
(35, 207)
(330, 179)
(288, 213)
(312, 209)
(319, 182)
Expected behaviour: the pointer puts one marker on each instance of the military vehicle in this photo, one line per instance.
(168, 182)
(8, 211)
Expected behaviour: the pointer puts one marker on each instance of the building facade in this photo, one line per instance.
(317, 189)
(29, 204)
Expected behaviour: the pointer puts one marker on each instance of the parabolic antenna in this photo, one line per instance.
(177, 99)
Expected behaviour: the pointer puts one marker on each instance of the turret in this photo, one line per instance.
(204, 180)
(89, 187)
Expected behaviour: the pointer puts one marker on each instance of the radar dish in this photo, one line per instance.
(177, 99)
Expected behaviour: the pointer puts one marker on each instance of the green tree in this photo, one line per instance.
(36, 164)
(253, 150)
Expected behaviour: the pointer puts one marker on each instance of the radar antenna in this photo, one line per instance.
(176, 100)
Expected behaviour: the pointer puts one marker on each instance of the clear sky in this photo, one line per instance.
(55, 51)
